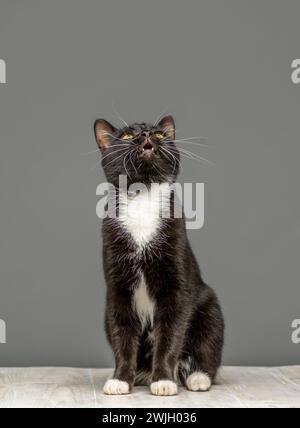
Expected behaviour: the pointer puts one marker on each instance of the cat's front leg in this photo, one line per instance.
(124, 341)
(169, 333)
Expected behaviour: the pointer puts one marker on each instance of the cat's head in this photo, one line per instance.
(143, 152)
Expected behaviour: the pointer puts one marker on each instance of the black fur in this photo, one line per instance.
(188, 327)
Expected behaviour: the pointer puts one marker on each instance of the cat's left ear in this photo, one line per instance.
(168, 125)
(104, 132)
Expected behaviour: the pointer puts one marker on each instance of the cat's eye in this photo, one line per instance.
(159, 135)
(127, 136)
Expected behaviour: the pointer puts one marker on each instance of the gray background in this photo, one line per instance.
(223, 69)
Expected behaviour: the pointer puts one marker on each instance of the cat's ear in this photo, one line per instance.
(104, 133)
(168, 125)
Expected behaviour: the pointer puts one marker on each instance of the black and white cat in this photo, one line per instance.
(163, 322)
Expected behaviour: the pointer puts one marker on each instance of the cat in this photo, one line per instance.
(163, 323)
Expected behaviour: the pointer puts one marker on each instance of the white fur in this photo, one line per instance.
(198, 381)
(143, 304)
(140, 214)
(163, 387)
(115, 387)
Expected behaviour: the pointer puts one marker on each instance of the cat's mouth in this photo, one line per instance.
(147, 150)
(148, 146)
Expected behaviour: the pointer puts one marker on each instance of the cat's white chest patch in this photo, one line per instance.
(143, 304)
(140, 214)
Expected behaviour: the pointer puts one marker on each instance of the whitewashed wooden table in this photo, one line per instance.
(74, 387)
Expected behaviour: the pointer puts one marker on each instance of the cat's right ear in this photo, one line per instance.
(104, 133)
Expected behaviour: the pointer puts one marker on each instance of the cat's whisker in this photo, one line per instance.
(119, 145)
(160, 116)
(153, 165)
(113, 146)
(163, 150)
(191, 155)
(140, 164)
(114, 137)
(166, 129)
(111, 153)
(179, 163)
(194, 157)
(191, 142)
(187, 141)
(130, 159)
(120, 117)
(129, 156)
(193, 138)
(114, 159)
(174, 159)
(114, 151)
(124, 163)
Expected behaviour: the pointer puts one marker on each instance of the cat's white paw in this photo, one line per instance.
(116, 387)
(163, 387)
(198, 381)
